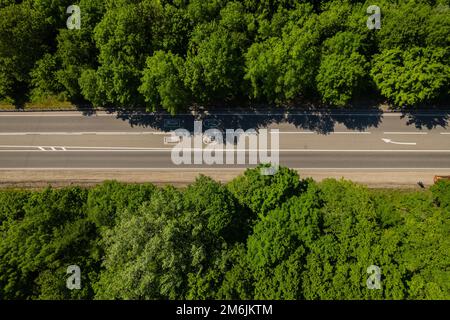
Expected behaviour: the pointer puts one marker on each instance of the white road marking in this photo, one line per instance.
(138, 149)
(37, 114)
(209, 169)
(400, 143)
(330, 133)
(406, 133)
(114, 114)
(293, 132)
(351, 132)
(117, 133)
(105, 133)
(78, 147)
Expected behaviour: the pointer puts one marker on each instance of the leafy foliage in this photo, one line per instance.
(343, 69)
(414, 76)
(50, 233)
(262, 193)
(171, 55)
(162, 82)
(22, 31)
(258, 237)
(441, 194)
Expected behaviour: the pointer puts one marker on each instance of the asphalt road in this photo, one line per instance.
(327, 141)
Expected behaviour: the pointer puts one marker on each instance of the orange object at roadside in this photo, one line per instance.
(437, 178)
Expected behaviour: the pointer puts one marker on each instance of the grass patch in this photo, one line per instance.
(48, 104)
(6, 106)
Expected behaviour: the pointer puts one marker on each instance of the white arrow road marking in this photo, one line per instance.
(401, 143)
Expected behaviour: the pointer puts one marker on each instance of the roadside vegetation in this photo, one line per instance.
(173, 54)
(257, 237)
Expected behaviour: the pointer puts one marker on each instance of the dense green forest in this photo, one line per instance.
(172, 54)
(257, 237)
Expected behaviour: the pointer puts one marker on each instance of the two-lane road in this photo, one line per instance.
(55, 141)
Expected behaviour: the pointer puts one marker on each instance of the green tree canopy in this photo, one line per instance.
(414, 76)
(124, 37)
(162, 83)
(343, 69)
(22, 33)
(262, 193)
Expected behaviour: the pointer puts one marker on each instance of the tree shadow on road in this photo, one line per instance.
(427, 120)
(319, 121)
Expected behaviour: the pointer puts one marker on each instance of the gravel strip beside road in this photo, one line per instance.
(43, 178)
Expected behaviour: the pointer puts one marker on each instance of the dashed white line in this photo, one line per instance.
(104, 133)
(294, 132)
(406, 133)
(330, 133)
(350, 132)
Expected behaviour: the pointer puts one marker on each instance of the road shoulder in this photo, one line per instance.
(42, 178)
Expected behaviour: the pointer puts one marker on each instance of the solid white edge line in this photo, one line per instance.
(234, 150)
(113, 133)
(208, 169)
(102, 114)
